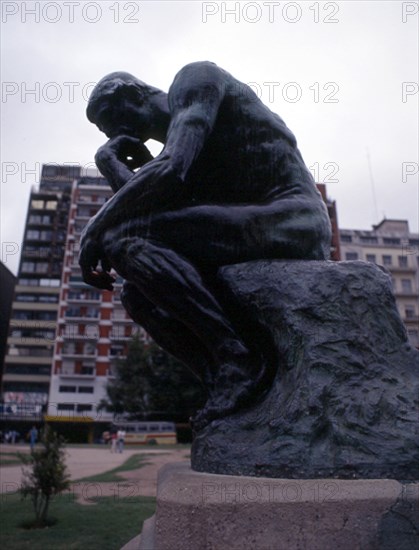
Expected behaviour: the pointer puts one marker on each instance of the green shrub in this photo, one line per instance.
(44, 474)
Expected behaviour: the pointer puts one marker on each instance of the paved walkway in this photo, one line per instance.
(86, 461)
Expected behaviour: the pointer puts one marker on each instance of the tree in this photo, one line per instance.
(47, 474)
(151, 384)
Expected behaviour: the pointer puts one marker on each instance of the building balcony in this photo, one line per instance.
(118, 319)
(406, 294)
(88, 201)
(80, 375)
(411, 319)
(38, 378)
(78, 355)
(25, 359)
(83, 299)
(71, 335)
(81, 317)
(399, 269)
(76, 281)
(119, 338)
(114, 356)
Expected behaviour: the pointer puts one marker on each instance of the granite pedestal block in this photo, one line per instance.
(197, 511)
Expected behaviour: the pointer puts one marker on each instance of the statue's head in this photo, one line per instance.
(120, 104)
(117, 86)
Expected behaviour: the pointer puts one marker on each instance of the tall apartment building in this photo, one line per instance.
(93, 329)
(27, 363)
(391, 244)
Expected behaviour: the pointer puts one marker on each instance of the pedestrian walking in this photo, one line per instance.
(120, 440)
(113, 442)
(33, 437)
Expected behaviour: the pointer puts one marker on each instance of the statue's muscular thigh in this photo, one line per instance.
(217, 235)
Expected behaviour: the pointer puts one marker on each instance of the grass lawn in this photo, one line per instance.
(134, 462)
(9, 458)
(106, 525)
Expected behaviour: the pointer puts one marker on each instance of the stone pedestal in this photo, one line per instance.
(341, 397)
(197, 511)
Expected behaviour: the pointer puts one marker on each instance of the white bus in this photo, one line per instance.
(143, 433)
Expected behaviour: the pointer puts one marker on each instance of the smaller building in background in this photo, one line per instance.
(7, 288)
(333, 215)
(391, 244)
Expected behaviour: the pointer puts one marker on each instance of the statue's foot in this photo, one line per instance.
(225, 400)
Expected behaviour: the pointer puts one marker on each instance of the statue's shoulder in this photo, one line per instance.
(195, 80)
(199, 72)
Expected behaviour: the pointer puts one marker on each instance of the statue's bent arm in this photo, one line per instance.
(194, 100)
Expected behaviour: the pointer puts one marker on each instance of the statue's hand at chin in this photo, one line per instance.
(91, 254)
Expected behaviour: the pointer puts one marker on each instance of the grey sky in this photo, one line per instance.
(343, 76)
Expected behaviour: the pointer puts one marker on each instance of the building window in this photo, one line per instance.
(37, 370)
(41, 267)
(51, 205)
(28, 282)
(406, 285)
(402, 261)
(87, 371)
(92, 312)
(83, 408)
(346, 238)
(410, 312)
(27, 351)
(48, 298)
(371, 258)
(413, 337)
(50, 282)
(350, 256)
(69, 348)
(28, 267)
(32, 234)
(67, 389)
(65, 407)
(86, 389)
(391, 241)
(39, 205)
(369, 240)
(22, 315)
(45, 235)
(387, 260)
(26, 298)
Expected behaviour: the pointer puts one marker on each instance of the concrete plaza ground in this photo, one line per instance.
(88, 461)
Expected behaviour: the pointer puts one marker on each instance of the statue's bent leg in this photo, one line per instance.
(169, 333)
(164, 254)
(174, 288)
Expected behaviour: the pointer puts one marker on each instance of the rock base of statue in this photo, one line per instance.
(343, 397)
(196, 510)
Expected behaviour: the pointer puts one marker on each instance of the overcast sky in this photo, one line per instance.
(343, 76)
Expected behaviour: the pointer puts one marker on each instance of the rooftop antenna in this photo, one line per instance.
(374, 198)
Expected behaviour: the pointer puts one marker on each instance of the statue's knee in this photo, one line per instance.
(128, 293)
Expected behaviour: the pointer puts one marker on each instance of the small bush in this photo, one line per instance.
(46, 474)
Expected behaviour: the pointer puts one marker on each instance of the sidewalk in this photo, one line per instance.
(81, 462)
(85, 462)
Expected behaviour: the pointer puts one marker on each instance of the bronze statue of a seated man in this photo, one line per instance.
(229, 186)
